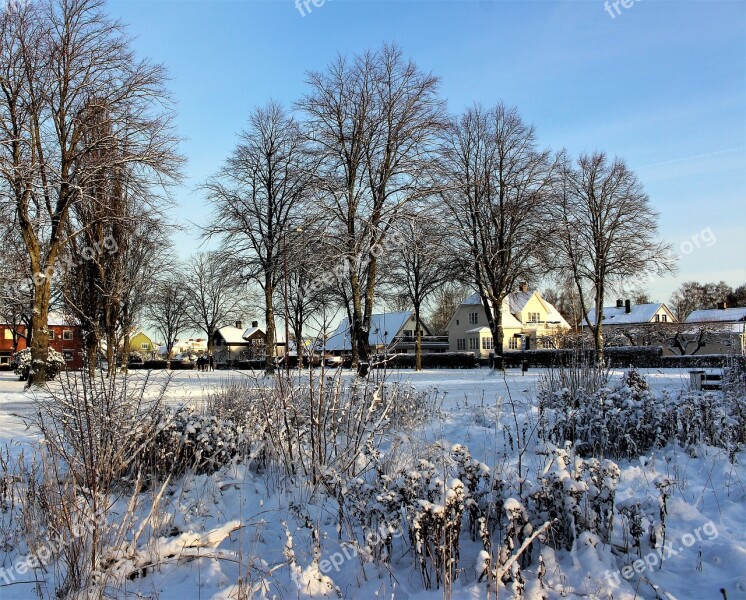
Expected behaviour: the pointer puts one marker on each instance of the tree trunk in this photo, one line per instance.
(498, 337)
(598, 334)
(418, 338)
(40, 332)
(269, 315)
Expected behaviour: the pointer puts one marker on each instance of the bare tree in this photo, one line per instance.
(56, 57)
(256, 196)
(692, 295)
(372, 121)
(166, 311)
(216, 293)
(445, 300)
(497, 186)
(418, 267)
(607, 231)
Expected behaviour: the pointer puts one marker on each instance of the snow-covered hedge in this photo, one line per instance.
(628, 419)
(22, 362)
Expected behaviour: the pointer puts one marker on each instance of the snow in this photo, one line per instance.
(384, 328)
(236, 526)
(717, 315)
(614, 315)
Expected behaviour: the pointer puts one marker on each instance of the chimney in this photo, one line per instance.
(255, 324)
(627, 306)
(620, 303)
(523, 286)
(239, 325)
(722, 306)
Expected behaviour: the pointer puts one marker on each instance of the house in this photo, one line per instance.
(528, 322)
(142, 343)
(626, 313)
(391, 333)
(721, 330)
(65, 336)
(233, 344)
(189, 347)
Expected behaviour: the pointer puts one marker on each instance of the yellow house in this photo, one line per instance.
(140, 342)
(527, 320)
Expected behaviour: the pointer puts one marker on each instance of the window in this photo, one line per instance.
(460, 344)
(513, 343)
(456, 321)
(67, 335)
(8, 334)
(407, 333)
(488, 343)
(68, 355)
(473, 343)
(144, 346)
(51, 334)
(534, 317)
(664, 318)
(473, 318)
(657, 318)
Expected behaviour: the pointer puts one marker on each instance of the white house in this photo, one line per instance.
(393, 333)
(528, 322)
(626, 313)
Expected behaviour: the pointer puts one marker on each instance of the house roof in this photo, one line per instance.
(613, 315)
(514, 303)
(727, 314)
(383, 329)
(251, 331)
(232, 336)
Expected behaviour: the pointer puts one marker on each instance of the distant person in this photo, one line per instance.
(211, 362)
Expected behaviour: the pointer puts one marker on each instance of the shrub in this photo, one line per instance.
(22, 362)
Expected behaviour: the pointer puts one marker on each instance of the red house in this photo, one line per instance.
(65, 338)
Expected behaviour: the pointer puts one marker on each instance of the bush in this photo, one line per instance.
(433, 360)
(22, 363)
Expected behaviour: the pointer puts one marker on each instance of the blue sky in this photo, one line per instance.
(663, 85)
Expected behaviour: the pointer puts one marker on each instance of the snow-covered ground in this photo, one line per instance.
(231, 527)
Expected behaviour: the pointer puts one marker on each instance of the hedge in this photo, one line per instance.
(434, 360)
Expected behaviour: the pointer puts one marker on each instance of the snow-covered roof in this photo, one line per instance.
(715, 314)
(383, 329)
(60, 319)
(478, 329)
(614, 315)
(251, 331)
(232, 336)
(513, 304)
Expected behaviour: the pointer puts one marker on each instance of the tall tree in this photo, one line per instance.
(372, 122)
(418, 267)
(607, 231)
(216, 293)
(55, 57)
(166, 310)
(497, 186)
(257, 197)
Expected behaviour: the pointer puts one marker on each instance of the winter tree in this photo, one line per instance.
(216, 293)
(257, 198)
(372, 122)
(56, 58)
(167, 310)
(606, 231)
(497, 186)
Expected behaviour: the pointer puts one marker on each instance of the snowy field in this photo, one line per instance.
(247, 521)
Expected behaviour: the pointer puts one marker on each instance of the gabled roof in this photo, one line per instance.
(232, 336)
(252, 331)
(513, 304)
(639, 313)
(715, 314)
(383, 329)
